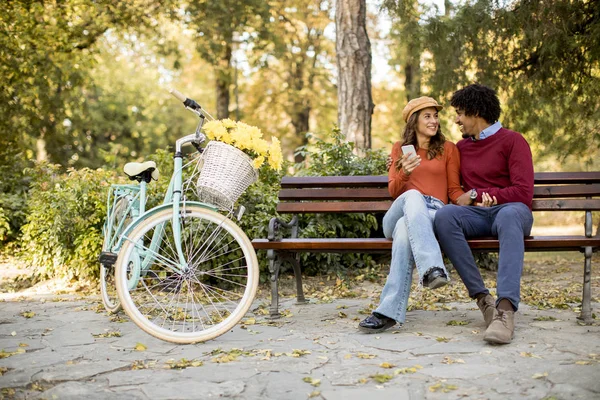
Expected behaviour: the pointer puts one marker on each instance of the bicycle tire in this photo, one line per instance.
(194, 305)
(108, 289)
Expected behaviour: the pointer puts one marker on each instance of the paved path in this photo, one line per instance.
(314, 352)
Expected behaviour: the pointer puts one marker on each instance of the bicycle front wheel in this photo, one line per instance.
(199, 300)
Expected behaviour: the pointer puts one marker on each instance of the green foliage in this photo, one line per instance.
(63, 233)
(260, 201)
(334, 156)
(543, 57)
(330, 157)
(13, 195)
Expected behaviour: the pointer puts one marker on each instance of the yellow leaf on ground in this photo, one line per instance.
(312, 381)
(139, 347)
(365, 355)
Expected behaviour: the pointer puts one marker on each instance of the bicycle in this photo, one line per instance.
(184, 271)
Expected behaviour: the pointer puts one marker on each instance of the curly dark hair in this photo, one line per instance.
(479, 101)
(409, 136)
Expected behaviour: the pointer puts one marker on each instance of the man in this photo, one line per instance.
(495, 163)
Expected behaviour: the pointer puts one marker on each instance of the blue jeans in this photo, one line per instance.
(409, 222)
(510, 222)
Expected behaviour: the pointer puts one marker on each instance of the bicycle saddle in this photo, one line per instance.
(141, 171)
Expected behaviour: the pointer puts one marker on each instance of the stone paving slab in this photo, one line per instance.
(315, 352)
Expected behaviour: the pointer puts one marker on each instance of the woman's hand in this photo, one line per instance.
(388, 162)
(487, 200)
(408, 163)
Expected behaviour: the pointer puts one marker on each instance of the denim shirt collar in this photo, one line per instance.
(490, 130)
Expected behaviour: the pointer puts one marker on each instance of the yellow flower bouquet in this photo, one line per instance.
(248, 139)
(231, 160)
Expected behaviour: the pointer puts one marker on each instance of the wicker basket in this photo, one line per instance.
(226, 173)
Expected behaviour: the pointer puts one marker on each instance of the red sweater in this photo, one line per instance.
(500, 165)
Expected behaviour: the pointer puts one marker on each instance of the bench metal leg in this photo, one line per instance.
(586, 304)
(295, 260)
(274, 267)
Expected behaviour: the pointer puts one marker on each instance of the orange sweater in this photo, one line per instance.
(439, 177)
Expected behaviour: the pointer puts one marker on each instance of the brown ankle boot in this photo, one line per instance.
(487, 305)
(502, 328)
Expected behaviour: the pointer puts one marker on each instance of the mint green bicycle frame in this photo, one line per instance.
(172, 200)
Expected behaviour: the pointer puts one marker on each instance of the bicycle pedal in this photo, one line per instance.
(240, 213)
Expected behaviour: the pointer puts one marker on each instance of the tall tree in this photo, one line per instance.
(543, 57)
(353, 52)
(215, 23)
(46, 52)
(294, 76)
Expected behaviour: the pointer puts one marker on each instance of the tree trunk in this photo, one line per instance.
(300, 124)
(301, 107)
(223, 81)
(355, 104)
(412, 82)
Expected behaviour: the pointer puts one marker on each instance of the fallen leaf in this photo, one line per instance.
(139, 347)
(365, 355)
(381, 378)
(312, 381)
(528, 354)
(457, 323)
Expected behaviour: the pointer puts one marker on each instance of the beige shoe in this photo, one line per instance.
(502, 328)
(487, 305)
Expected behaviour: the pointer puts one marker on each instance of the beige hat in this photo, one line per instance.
(418, 104)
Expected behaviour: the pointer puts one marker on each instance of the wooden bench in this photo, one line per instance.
(554, 191)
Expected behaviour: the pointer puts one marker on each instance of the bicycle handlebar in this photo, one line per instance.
(187, 102)
(177, 95)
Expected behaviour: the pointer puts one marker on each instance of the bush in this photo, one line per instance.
(331, 157)
(14, 186)
(63, 233)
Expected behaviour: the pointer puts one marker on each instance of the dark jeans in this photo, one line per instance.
(510, 222)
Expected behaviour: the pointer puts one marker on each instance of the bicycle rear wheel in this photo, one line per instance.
(119, 218)
(193, 304)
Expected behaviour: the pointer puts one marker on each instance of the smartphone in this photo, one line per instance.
(409, 149)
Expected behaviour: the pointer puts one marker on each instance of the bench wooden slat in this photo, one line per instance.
(566, 177)
(333, 181)
(334, 207)
(566, 205)
(553, 191)
(540, 178)
(383, 206)
(335, 194)
(532, 243)
(540, 192)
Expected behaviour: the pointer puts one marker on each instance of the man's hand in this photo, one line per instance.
(487, 200)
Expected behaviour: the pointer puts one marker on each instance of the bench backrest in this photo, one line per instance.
(566, 191)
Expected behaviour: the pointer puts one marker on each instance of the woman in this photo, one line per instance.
(420, 185)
